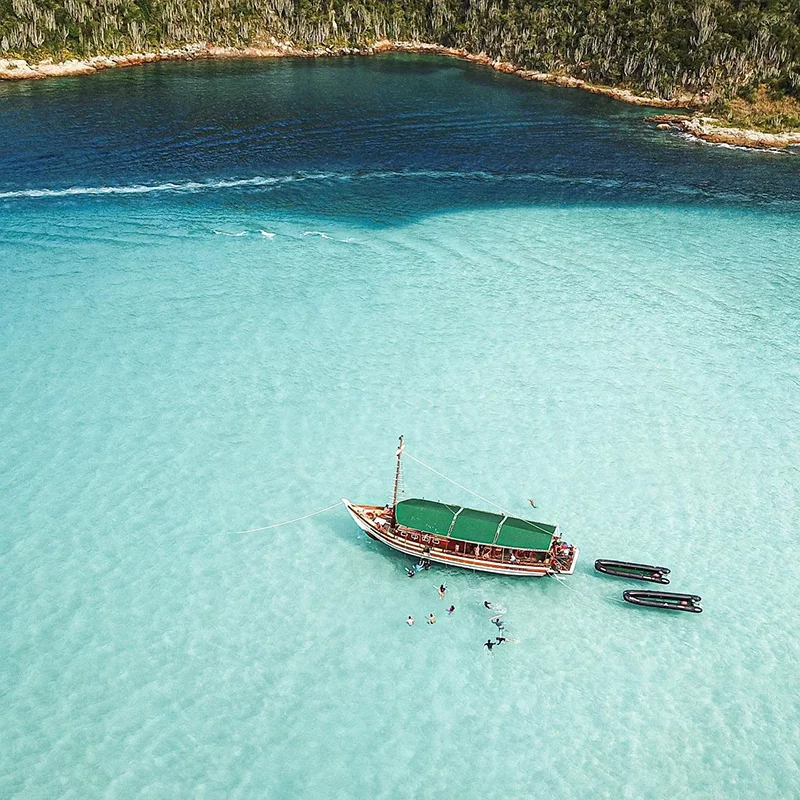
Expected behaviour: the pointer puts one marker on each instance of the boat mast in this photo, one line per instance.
(400, 448)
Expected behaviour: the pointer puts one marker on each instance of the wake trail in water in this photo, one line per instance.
(604, 184)
(236, 183)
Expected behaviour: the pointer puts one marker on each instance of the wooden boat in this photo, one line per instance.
(671, 600)
(627, 569)
(465, 537)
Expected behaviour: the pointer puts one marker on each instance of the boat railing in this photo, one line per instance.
(500, 555)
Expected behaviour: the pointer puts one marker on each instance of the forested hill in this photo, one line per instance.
(659, 46)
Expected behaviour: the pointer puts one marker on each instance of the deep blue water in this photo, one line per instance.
(226, 288)
(487, 139)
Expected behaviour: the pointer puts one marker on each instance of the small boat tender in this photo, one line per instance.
(678, 602)
(627, 569)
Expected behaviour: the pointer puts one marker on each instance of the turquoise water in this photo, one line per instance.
(549, 300)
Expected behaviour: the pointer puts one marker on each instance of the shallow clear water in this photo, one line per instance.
(547, 297)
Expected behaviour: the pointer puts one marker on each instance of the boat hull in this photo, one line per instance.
(418, 549)
(668, 600)
(636, 572)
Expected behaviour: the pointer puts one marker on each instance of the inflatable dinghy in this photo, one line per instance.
(677, 602)
(627, 569)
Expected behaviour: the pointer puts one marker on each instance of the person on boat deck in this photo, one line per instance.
(513, 557)
(477, 551)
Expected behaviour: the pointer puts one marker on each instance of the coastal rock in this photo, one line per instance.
(65, 68)
(711, 130)
(17, 69)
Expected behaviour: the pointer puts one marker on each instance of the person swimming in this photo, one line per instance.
(499, 622)
(410, 620)
(410, 572)
(431, 618)
(489, 644)
(442, 591)
(451, 609)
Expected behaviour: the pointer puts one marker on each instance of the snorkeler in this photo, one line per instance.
(442, 591)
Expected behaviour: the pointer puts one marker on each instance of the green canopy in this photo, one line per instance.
(479, 527)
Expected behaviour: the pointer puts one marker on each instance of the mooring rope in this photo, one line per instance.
(528, 522)
(290, 521)
(455, 483)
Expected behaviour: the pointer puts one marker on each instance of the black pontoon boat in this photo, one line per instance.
(627, 569)
(678, 602)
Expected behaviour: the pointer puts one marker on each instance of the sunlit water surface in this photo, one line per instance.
(225, 290)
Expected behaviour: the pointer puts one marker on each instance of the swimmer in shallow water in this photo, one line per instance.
(409, 620)
(489, 644)
(431, 618)
(451, 609)
(499, 622)
(442, 591)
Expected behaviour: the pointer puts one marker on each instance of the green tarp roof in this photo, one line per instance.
(469, 525)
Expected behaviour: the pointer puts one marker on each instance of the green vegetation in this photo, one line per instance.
(761, 109)
(726, 48)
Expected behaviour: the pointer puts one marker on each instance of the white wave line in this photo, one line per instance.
(290, 521)
(233, 183)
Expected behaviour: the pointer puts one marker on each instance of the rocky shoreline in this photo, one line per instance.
(711, 130)
(700, 127)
